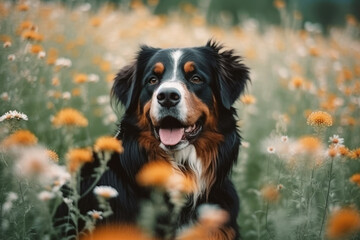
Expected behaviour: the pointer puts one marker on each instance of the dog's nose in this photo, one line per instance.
(168, 97)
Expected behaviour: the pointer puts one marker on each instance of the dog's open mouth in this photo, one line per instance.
(171, 131)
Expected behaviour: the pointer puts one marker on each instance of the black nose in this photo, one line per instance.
(168, 97)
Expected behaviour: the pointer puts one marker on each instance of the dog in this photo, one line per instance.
(178, 108)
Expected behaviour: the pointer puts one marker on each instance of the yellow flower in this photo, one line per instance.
(69, 117)
(80, 78)
(355, 179)
(20, 138)
(108, 144)
(270, 193)
(343, 223)
(320, 119)
(248, 99)
(77, 157)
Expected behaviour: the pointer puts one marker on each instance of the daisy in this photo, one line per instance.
(106, 192)
(95, 214)
(284, 138)
(270, 149)
(336, 140)
(13, 114)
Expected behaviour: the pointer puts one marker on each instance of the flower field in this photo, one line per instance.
(298, 172)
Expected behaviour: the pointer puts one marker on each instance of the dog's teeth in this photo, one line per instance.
(188, 129)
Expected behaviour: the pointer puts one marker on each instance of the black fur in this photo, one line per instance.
(225, 78)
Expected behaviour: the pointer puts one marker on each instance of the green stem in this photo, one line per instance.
(327, 197)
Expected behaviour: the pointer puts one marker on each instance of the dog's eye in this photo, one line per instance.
(196, 80)
(153, 80)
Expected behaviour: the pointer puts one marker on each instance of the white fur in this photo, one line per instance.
(188, 156)
(176, 55)
(181, 106)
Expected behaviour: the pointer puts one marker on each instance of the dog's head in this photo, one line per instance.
(177, 93)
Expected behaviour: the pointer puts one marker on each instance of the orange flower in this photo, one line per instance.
(320, 119)
(279, 4)
(116, 232)
(20, 138)
(297, 82)
(270, 193)
(354, 154)
(155, 173)
(309, 144)
(22, 7)
(248, 99)
(32, 35)
(108, 144)
(80, 78)
(332, 151)
(69, 117)
(355, 179)
(344, 151)
(77, 157)
(52, 155)
(36, 48)
(95, 21)
(343, 223)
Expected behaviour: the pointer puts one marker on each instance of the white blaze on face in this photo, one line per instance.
(176, 55)
(171, 136)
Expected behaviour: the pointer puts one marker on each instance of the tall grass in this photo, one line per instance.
(295, 178)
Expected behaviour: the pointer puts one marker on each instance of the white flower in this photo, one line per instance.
(5, 96)
(12, 197)
(7, 206)
(7, 44)
(93, 77)
(11, 57)
(336, 140)
(32, 163)
(245, 144)
(105, 192)
(45, 196)
(41, 54)
(66, 95)
(284, 138)
(270, 149)
(63, 62)
(95, 214)
(13, 115)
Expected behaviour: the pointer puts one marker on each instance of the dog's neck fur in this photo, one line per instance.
(187, 157)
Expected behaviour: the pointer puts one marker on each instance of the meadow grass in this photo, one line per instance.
(299, 118)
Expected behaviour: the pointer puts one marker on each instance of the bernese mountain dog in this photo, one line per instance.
(178, 108)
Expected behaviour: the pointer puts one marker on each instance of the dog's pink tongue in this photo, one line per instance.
(171, 136)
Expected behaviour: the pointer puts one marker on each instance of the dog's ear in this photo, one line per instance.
(232, 74)
(125, 89)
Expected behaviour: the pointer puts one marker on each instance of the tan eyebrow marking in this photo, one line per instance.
(189, 66)
(159, 68)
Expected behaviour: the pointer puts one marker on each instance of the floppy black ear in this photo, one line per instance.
(233, 75)
(126, 87)
(123, 86)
